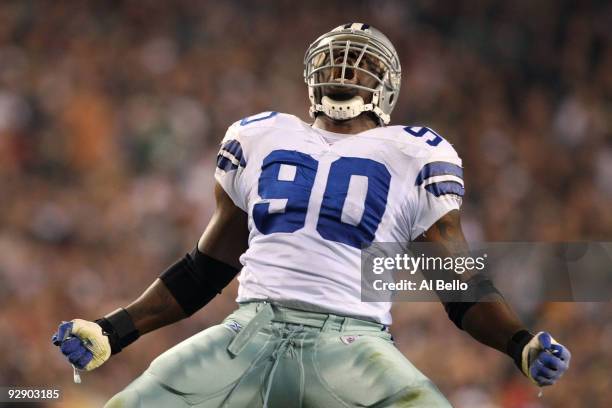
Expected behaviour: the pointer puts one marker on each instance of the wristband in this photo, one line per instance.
(119, 328)
(515, 346)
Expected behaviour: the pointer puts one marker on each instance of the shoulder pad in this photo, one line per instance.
(418, 141)
(267, 120)
(431, 140)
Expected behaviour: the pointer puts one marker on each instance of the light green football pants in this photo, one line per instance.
(265, 355)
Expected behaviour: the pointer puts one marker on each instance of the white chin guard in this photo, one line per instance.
(342, 110)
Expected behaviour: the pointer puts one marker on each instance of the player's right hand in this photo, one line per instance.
(83, 343)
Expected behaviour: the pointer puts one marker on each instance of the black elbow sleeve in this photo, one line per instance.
(196, 279)
(478, 287)
(456, 311)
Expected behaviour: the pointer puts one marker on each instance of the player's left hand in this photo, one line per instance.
(544, 360)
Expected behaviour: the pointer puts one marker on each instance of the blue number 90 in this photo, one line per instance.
(285, 185)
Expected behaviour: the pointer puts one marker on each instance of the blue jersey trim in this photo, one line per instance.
(438, 169)
(225, 164)
(445, 187)
(234, 148)
(248, 120)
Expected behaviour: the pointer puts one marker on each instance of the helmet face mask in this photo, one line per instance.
(335, 58)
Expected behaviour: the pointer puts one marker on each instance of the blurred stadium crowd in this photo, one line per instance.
(110, 117)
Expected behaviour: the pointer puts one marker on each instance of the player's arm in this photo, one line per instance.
(215, 261)
(477, 319)
(489, 319)
(180, 291)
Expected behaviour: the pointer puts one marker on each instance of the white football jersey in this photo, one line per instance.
(312, 205)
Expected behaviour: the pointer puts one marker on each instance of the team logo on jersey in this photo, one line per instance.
(348, 339)
(233, 325)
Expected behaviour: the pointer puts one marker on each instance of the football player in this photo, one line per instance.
(295, 203)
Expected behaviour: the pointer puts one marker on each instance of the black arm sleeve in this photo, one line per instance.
(478, 287)
(196, 279)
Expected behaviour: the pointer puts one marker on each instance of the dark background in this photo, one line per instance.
(110, 117)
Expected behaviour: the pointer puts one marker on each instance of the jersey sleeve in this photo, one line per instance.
(439, 188)
(231, 163)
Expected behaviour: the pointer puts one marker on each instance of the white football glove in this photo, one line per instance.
(83, 343)
(544, 360)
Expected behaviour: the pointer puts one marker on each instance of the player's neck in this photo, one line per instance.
(351, 126)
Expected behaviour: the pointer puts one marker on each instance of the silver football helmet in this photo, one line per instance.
(349, 46)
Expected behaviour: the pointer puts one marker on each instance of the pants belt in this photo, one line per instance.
(267, 313)
(264, 316)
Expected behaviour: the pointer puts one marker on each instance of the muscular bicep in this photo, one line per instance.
(447, 235)
(226, 236)
(445, 239)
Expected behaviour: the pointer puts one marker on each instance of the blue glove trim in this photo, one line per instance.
(71, 346)
(63, 332)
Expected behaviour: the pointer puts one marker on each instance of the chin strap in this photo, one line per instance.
(343, 110)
